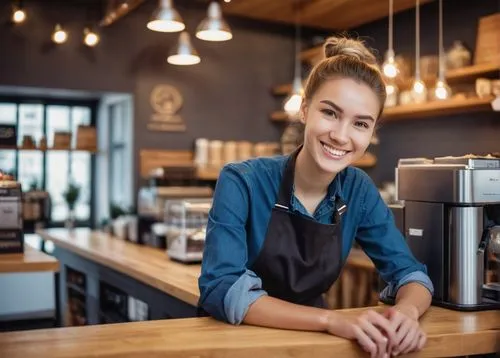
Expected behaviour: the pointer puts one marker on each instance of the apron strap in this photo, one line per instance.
(286, 189)
(286, 186)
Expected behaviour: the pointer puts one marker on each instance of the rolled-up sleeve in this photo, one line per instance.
(227, 287)
(379, 237)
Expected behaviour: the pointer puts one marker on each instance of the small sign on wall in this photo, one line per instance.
(166, 102)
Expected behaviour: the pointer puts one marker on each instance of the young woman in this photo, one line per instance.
(280, 228)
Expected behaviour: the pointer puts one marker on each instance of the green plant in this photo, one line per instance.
(116, 211)
(71, 195)
(34, 185)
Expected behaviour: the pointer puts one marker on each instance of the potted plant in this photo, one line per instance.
(71, 196)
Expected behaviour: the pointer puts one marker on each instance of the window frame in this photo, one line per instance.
(92, 104)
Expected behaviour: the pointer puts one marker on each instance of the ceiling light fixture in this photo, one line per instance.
(59, 36)
(184, 54)
(90, 38)
(18, 13)
(389, 67)
(166, 18)
(418, 91)
(214, 27)
(442, 90)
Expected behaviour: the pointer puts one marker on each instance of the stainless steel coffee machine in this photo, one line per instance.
(451, 220)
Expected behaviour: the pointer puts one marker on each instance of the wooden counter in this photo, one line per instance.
(31, 260)
(450, 333)
(145, 264)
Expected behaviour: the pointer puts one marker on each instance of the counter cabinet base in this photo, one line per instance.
(103, 295)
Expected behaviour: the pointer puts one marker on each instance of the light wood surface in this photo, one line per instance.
(319, 13)
(31, 260)
(437, 108)
(468, 73)
(145, 264)
(449, 333)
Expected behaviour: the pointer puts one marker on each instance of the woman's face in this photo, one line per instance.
(339, 123)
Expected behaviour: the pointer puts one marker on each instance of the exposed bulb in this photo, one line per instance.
(59, 36)
(91, 38)
(292, 105)
(442, 90)
(419, 91)
(19, 16)
(390, 89)
(294, 101)
(418, 87)
(389, 66)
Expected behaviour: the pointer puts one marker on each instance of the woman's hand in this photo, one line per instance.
(409, 335)
(373, 332)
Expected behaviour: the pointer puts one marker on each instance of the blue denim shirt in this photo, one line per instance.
(243, 200)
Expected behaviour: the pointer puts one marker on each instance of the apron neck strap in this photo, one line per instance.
(286, 188)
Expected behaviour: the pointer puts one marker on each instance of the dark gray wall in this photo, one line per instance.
(227, 96)
(451, 135)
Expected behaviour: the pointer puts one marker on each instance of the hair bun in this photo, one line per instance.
(343, 46)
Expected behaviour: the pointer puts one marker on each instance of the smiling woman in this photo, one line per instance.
(280, 228)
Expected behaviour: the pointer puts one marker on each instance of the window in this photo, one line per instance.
(50, 170)
(118, 152)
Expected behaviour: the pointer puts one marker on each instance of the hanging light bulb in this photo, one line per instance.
(166, 18)
(184, 54)
(213, 27)
(389, 66)
(294, 100)
(59, 36)
(90, 38)
(441, 90)
(18, 15)
(419, 90)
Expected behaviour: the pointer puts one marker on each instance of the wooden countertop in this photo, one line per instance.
(31, 260)
(450, 333)
(145, 264)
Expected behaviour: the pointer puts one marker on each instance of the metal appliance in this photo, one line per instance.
(11, 220)
(451, 220)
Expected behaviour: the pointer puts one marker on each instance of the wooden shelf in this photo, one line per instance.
(212, 173)
(279, 116)
(452, 76)
(459, 75)
(438, 108)
(49, 149)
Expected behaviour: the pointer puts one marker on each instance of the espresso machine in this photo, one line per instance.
(451, 220)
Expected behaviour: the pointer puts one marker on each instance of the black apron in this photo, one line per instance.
(300, 258)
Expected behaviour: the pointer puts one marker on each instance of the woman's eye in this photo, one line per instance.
(363, 125)
(329, 112)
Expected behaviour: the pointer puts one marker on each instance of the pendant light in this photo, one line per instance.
(166, 18)
(214, 27)
(18, 13)
(442, 90)
(59, 36)
(419, 90)
(184, 53)
(90, 38)
(389, 66)
(294, 101)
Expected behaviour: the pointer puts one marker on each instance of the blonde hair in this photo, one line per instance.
(346, 57)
